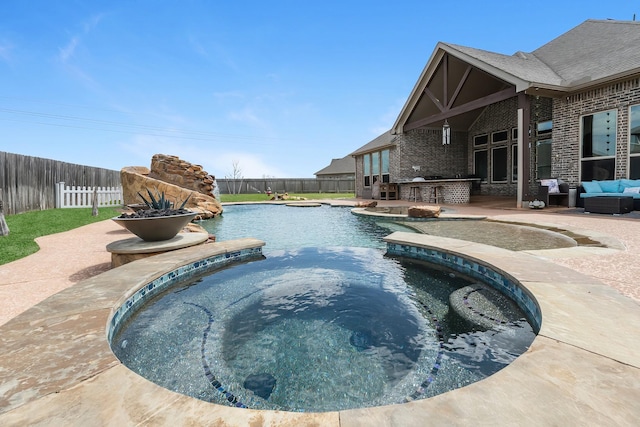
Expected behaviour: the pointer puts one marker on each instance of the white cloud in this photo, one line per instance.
(247, 116)
(67, 51)
(5, 51)
(92, 22)
(222, 96)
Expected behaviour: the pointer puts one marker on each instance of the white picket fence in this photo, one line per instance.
(82, 197)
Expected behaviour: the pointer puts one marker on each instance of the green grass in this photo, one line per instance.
(261, 197)
(25, 227)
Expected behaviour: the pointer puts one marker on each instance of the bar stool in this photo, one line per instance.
(413, 192)
(437, 194)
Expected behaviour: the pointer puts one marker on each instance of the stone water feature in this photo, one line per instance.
(177, 179)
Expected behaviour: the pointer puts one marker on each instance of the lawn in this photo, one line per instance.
(24, 228)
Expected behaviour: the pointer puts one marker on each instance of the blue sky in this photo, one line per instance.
(277, 88)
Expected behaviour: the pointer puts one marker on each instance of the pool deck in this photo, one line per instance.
(583, 368)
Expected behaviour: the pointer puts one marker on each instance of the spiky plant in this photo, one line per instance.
(157, 205)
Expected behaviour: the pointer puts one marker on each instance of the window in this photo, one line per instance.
(544, 128)
(514, 163)
(634, 142)
(480, 167)
(375, 167)
(384, 165)
(499, 164)
(543, 149)
(497, 137)
(543, 159)
(480, 140)
(367, 170)
(598, 146)
(514, 134)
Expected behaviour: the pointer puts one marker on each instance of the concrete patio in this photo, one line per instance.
(56, 367)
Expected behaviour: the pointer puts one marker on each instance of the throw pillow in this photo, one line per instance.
(635, 190)
(610, 186)
(552, 184)
(624, 183)
(591, 187)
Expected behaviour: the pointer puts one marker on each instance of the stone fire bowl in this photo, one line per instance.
(155, 229)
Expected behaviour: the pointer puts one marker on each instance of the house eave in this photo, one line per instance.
(586, 83)
(372, 150)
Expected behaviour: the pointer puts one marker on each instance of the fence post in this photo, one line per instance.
(59, 193)
(4, 228)
(94, 202)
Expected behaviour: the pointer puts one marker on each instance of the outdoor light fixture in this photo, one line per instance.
(446, 133)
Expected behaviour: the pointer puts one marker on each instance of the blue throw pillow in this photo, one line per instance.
(592, 187)
(610, 186)
(629, 183)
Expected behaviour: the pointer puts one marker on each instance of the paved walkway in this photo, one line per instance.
(609, 394)
(63, 260)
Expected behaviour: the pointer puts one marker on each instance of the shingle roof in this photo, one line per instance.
(344, 165)
(594, 50)
(381, 141)
(523, 66)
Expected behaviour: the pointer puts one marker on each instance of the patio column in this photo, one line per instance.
(524, 150)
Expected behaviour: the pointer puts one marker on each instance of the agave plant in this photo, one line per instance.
(157, 205)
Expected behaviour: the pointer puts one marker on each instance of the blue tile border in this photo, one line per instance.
(205, 265)
(483, 272)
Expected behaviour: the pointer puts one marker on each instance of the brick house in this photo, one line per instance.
(570, 110)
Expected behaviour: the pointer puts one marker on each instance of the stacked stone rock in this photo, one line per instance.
(177, 179)
(173, 170)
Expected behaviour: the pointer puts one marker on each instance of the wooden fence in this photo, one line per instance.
(285, 185)
(82, 197)
(29, 183)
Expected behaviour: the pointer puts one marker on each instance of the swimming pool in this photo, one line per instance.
(318, 329)
(288, 227)
(284, 227)
(326, 322)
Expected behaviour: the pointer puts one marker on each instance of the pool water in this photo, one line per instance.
(316, 329)
(285, 227)
(503, 235)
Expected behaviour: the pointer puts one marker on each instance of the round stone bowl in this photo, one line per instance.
(158, 228)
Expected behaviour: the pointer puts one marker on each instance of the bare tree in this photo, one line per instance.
(235, 180)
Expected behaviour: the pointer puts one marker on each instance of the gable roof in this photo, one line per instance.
(382, 141)
(345, 165)
(592, 53)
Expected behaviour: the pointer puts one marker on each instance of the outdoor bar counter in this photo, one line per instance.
(442, 190)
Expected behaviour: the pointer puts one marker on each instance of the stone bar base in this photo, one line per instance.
(455, 190)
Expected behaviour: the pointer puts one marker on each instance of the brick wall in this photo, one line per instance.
(423, 147)
(566, 126)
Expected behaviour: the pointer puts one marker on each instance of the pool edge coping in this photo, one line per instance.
(55, 406)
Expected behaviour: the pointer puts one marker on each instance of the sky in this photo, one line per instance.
(254, 88)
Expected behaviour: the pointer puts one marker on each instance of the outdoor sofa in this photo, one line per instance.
(614, 188)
